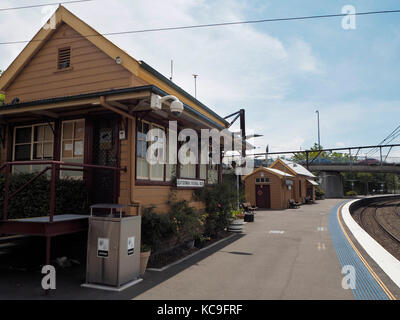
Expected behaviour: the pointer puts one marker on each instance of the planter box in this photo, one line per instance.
(144, 258)
(236, 225)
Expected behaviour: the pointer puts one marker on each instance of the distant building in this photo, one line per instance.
(304, 180)
(269, 188)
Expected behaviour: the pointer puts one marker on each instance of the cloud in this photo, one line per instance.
(302, 57)
(235, 64)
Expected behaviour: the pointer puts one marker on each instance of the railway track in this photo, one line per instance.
(382, 221)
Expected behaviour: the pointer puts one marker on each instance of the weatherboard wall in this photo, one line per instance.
(91, 70)
(279, 193)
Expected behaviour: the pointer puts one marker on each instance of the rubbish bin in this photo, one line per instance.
(113, 252)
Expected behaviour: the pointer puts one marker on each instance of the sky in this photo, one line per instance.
(279, 72)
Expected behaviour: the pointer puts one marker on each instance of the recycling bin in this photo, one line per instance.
(113, 252)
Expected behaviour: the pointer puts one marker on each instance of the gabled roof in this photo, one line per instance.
(275, 172)
(294, 168)
(138, 68)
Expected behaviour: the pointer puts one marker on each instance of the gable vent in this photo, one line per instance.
(64, 58)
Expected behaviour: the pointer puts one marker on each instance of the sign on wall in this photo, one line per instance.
(189, 183)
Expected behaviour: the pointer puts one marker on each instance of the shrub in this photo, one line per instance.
(156, 228)
(351, 193)
(319, 193)
(34, 200)
(220, 200)
(186, 222)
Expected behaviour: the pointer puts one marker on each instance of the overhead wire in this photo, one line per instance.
(223, 24)
(42, 5)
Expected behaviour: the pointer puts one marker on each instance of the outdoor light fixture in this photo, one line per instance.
(176, 105)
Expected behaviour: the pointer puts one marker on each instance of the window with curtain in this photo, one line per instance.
(157, 169)
(142, 166)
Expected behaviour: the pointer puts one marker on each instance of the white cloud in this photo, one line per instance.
(234, 63)
(238, 66)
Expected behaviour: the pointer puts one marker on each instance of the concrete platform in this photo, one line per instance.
(285, 254)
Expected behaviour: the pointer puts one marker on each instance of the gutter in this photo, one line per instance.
(151, 88)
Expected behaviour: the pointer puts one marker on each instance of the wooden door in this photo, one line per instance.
(263, 196)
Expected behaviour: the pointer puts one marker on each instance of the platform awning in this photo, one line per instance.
(314, 183)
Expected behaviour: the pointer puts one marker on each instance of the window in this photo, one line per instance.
(188, 170)
(212, 172)
(64, 58)
(170, 169)
(212, 176)
(203, 171)
(262, 180)
(72, 144)
(142, 166)
(33, 142)
(157, 169)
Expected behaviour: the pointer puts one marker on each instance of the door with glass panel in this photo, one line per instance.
(105, 153)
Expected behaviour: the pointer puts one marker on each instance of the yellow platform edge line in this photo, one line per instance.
(376, 277)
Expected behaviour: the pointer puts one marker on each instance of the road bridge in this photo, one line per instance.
(349, 160)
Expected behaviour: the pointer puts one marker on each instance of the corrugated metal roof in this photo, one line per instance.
(284, 174)
(299, 169)
(314, 183)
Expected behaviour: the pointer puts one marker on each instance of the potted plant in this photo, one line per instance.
(237, 220)
(145, 252)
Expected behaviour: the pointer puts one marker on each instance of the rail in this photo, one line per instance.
(56, 167)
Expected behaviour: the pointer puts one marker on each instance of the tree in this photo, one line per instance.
(314, 151)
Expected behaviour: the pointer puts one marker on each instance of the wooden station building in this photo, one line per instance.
(304, 180)
(274, 187)
(73, 97)
(268, 188)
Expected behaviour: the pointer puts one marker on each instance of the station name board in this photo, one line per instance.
(189, 183)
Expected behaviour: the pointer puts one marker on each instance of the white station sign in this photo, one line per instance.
(189, 183)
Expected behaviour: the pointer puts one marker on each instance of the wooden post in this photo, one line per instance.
(243, 132)
(53, 190)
